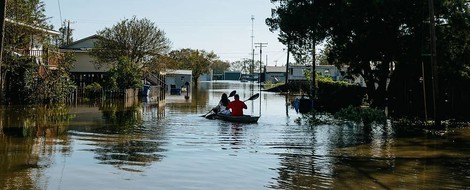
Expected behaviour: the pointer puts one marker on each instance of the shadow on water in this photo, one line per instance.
(370, 157)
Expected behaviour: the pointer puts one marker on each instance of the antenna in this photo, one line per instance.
(260, 45)
(252, 49)
(60, 11)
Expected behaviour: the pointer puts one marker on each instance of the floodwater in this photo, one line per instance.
(135, 145)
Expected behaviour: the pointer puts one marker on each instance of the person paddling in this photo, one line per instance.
(237, 106)
(221, 108)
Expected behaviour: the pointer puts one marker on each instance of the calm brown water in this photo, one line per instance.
(142, 146)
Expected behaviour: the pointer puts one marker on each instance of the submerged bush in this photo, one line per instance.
(350, 114)
(364, 115)
(93, 90)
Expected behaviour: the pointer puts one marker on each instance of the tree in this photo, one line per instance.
(199, 61)
(369, 36)
(23, 81)
(124, 75)
(219, 66)
(27, 12)
(65, 37)
(245, 66)
(137, 39)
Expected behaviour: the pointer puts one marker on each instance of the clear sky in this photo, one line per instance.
(222, 26)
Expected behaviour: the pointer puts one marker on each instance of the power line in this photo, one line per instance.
(60, 11)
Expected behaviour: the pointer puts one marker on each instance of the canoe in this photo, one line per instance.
(235, 119)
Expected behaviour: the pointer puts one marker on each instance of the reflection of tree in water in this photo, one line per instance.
(125, 155)
(373, 157)
(310, 161)
(130, 149)
(29, 139)
(122, 120)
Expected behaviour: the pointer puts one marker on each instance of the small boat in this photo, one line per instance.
(235, 119)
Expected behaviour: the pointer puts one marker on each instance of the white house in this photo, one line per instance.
(84, 71)
(275, 74)
(177, 81)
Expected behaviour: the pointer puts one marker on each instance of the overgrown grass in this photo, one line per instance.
(356, 115)
(269, 84)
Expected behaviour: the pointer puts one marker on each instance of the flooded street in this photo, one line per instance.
(143, 146)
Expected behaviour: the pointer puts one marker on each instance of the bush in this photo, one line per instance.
(366, 115)
(93, 90)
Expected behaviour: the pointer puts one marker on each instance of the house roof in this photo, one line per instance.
(275, 69)
(83, 44)
(53, 32)
(179, 72)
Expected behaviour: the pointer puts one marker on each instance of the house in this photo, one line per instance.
(277, 74)
(45, 58)
(85, 71)
(178, 81)
(232, 75)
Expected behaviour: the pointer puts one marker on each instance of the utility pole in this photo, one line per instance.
(313, 75)
(252, 49)
(260, 45)
(287, 63)
(68, 32)
(3, 5)
(434, 75)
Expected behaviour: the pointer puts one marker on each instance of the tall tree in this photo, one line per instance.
(199, 61)
(376, 39)
(245, 66)
(140, 40)
(219, 66)
(29, 12)
(28, 80)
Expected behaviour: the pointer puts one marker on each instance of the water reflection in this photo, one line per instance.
(125, 145)
(123, 139)
(29, 137)
(231, 135)
(378, 156)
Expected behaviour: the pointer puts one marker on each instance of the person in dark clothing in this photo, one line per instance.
(222, 106)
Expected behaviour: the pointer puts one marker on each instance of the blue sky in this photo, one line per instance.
(222, 26)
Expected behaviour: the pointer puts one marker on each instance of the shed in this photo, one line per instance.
(176, 80)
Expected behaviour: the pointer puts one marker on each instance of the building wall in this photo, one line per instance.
(84, 72)
(84, 63)
(297, 72)
(177, 81)
(275, 77)
(232, 75)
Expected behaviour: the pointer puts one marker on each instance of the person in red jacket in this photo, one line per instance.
(237, 106)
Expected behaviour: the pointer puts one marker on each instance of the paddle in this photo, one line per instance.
(254, 97)
(230, 95)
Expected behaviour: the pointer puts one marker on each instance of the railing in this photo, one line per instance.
(44, 57)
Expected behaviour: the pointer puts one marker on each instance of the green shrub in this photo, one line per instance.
(93, 90)
(366, 115)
